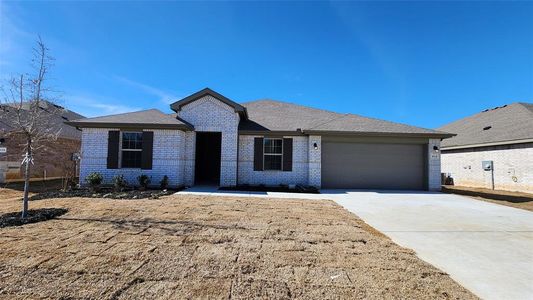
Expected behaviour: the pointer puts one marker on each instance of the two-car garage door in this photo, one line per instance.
(356, 164)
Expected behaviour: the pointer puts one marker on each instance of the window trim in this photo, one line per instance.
(120, 150)
(272, 154)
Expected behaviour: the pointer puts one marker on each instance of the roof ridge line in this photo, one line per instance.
(524, 107)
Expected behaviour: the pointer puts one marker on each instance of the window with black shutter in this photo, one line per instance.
(113, 149)
(272, 154)
(131, 149)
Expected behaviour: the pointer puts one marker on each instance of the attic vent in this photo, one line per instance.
(487, 127)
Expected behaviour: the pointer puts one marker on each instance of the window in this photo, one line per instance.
(272, 154)
(131, 149)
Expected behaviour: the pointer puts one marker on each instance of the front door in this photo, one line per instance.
(207, 162)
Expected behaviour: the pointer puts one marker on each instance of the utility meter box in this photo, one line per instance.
(487, 165)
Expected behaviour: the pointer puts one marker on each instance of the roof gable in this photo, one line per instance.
(176, 106)
(511, 122)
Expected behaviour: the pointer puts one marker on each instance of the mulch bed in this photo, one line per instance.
(34, 216)
(281, 189)
(86, 193)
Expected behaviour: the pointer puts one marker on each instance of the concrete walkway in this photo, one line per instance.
(214, 191)
(487, 248)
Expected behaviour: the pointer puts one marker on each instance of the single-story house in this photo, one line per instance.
(492, 149)
(212, 139)
(54, 160)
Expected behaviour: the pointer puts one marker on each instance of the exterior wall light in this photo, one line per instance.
(436, 149)
(315, 146)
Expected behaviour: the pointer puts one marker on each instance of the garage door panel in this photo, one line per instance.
(376, 166)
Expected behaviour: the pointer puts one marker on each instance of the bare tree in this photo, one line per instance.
(28, 109)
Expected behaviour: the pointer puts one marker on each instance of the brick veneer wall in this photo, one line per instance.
(190, 146)
(509, 161)
(434, 179)
(54, 158)
(169, 157)
(306, 165)
(211, 115)
(315, 161)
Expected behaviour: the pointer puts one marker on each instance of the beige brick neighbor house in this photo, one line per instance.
(212, 139)
(492, 149)
(53, 161)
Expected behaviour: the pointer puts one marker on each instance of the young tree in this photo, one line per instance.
(28, 109)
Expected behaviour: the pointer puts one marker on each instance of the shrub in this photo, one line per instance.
(144, 180)
(94, 180)
(164, 183)
(119, 183)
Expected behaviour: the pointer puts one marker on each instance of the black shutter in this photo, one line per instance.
(258, 154)
(113, 139)
(287, 154)
(147, 153)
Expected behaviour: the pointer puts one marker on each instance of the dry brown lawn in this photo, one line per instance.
(208, 247)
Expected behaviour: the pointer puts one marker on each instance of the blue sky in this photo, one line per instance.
(421, 63)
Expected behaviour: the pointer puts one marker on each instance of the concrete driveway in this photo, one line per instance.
(488, 248)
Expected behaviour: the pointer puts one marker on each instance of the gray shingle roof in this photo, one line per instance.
(507, 123)
(281, 116)
(67, 131)
(151, 118)
(271, 116)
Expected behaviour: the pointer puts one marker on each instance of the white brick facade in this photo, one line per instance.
(513, 167)
(168, 157)
(314, 177)
(211, 115)
(434, 180)
(300, 164)
(190, 143)
(174, 152)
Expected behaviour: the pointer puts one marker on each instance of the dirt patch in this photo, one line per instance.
(36, 185)
(34, 216)
(188, 246)
(512, 199)
(15, 190)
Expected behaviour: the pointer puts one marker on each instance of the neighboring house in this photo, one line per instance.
(53, 160)
(503, 135)
(212, 139)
